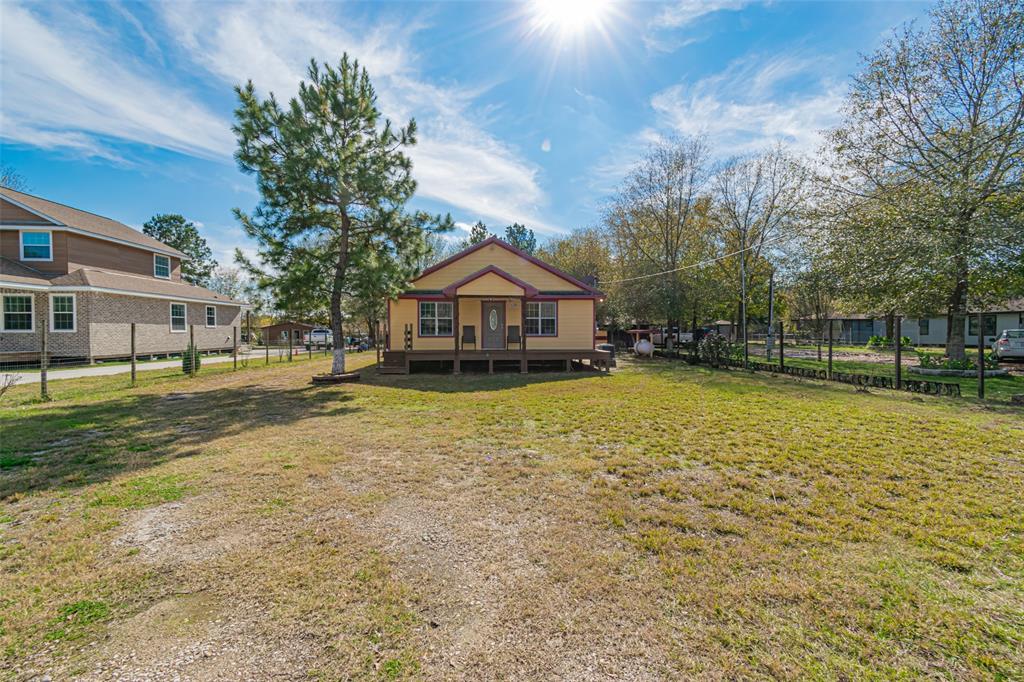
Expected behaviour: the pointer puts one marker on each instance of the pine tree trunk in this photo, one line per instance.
(340, 267)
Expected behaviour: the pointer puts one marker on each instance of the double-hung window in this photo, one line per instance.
(178, 322)
(18, 313)
(161, 266)
(36, 245)
(435, 318)
(542, 318)
(923, 326)
(988, 323)
(211, 316)
(62, 313)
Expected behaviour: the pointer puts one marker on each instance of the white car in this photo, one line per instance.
(1010, 344)
(320, 338)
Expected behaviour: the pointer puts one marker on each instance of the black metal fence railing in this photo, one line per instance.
(923, 386)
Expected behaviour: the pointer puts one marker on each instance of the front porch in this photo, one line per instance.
(401, 362)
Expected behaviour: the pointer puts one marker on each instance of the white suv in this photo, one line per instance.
(1010, 344)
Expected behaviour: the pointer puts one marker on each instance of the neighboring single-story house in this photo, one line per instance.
(86, 279)
(493, 303)
(856, 329)
(279, 333)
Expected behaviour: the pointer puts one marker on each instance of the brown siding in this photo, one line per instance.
(89, 252)
(16, 215)
(10, 247)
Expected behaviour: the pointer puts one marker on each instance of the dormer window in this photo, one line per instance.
(36, 245)
(161, 266)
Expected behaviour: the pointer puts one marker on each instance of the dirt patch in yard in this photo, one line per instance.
(510, 587)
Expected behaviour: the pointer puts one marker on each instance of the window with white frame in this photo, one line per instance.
(541, 318)
(36, 245)
(161, 266)
(435, 318)
(211, 316)
(62, 312)
(178, 321)
(17, 315)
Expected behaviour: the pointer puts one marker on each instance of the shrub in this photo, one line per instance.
(714, 349)
(189, 359)
(934, 362)
(876, 342)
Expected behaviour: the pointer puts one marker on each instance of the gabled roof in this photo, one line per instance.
(77, 220)
(13, 271)
(519, 252)
(452, 289)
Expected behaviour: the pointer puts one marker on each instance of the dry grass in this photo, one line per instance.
(662, 521)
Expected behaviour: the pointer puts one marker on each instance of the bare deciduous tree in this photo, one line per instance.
(758, 200)
(658, 220)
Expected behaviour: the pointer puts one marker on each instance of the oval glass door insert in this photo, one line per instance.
(493, 320)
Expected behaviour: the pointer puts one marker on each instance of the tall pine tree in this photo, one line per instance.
(334, 181)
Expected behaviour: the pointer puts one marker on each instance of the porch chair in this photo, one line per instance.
(514, 337)
(468, 335)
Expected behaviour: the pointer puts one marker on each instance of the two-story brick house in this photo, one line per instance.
(88, 278)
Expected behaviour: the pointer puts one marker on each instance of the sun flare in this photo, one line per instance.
(568, 17)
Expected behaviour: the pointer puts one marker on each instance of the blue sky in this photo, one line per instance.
(125, 108)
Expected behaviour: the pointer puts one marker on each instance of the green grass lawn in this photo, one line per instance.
(664, 522)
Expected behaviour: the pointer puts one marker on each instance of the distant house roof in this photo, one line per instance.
(61, 215)
(105, 281)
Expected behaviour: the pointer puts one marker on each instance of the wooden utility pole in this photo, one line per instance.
(291, 333)
(266, 349)
(899, 351)
(44, 360)
(830, 348)
(234, 346)
(981, 357)
(133, 355)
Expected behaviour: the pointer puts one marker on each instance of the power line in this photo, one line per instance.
(695, 265)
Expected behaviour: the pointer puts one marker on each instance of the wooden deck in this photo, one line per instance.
(400, 362)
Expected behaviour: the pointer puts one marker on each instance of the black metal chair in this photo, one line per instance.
(468, 335)
(514, 337)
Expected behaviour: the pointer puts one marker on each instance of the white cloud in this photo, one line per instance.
(456, 161)
(70, 83)
(545, 146)
(66, 86)
(753, 102)
(683, 14)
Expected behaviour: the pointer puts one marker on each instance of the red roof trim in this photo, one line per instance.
(528, 289)
(522, 254)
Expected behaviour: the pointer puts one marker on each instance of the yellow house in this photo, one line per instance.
(493, 303)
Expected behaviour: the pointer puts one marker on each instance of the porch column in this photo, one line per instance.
(457, 334)
(523, 362)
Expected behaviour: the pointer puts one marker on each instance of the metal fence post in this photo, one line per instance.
(981, 356)
(266, 349)
(43, 359)
(899, 352)
(234, 346)
(191, 350)
(133, 355)
(291, 333)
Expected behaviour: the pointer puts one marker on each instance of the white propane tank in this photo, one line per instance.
(644, 347)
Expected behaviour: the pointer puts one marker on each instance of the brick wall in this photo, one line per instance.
(61, 344)
(103, 327)
(111, 317)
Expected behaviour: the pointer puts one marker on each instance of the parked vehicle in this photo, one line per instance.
(1009, 344)
(320, 337)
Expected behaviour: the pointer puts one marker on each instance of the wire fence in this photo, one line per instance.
(46, 363)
